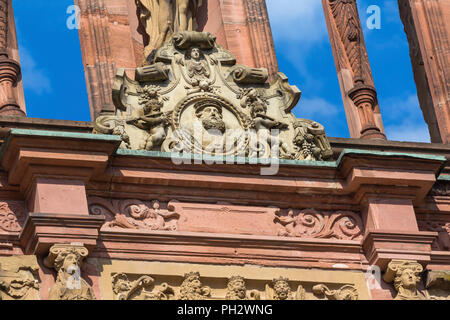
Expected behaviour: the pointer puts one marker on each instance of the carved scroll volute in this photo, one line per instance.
(350, 52)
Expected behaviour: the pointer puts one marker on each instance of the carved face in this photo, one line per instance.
(408, 279)
(282, 289)
(237, 286)
(194, 284)
(195, 53)
(70, 263)
(212, 118)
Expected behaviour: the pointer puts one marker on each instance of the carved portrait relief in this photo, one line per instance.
(67, 261)
(194, 99)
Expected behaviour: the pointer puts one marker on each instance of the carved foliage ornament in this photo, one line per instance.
(310, 223)
(12, 216)
(195, 99)
(140, 289)
(135, 214)
(67, 261)
(346, 292)
(191, 288)
(345, 14)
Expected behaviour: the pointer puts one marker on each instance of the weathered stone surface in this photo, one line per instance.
(210, 106)
(67, 260)
(169, 281)
(19, 278)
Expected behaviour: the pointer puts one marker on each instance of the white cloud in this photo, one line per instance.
(412, 132)
(34, 78)
(404, 120)
(299, 20)
(312, 108)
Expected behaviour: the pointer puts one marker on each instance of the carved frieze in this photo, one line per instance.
(310, 223)
(128, 286)
(19, 278)
(12, 216)
(67, 261)
(141, 289)
(346, 292)
(135, 214)
(441, 189)
(439, 224)
(195, 99)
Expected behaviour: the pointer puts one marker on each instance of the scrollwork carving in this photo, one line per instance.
(135, 214)
(193, 69)
(12, 216)
(346, 292)
(310, 223)
(142, 289)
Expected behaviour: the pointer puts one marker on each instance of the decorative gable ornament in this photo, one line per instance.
(195, 99)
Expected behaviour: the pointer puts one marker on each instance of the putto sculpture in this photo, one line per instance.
(195, 99)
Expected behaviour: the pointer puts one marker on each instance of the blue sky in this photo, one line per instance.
(55, 86)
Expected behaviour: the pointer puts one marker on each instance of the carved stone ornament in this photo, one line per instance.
(346, 292)
(162, 18)
(406, 277)
(19, 278)
(236, 290)
(192, 288)
(442, 227)
(310, 223)
(140, 289)
(12, 216)
(280, 289)
(67, 261)
(194, 99)
(135, 214)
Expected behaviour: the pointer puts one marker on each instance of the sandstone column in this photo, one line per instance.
(428, 33)
(353, 68)
(9, 68)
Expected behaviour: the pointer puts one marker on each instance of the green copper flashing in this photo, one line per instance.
(64, 134)
(223, 160)
(444, 177)
(57, 134)
(389, 155)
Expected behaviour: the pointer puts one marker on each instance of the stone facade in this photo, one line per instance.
(113, 210)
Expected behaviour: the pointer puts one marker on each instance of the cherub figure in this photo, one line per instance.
(264, 126)
(289, 222)
(152, 119)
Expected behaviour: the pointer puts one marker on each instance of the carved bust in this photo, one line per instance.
(69, 285)
(281, 290)
(192, 289)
